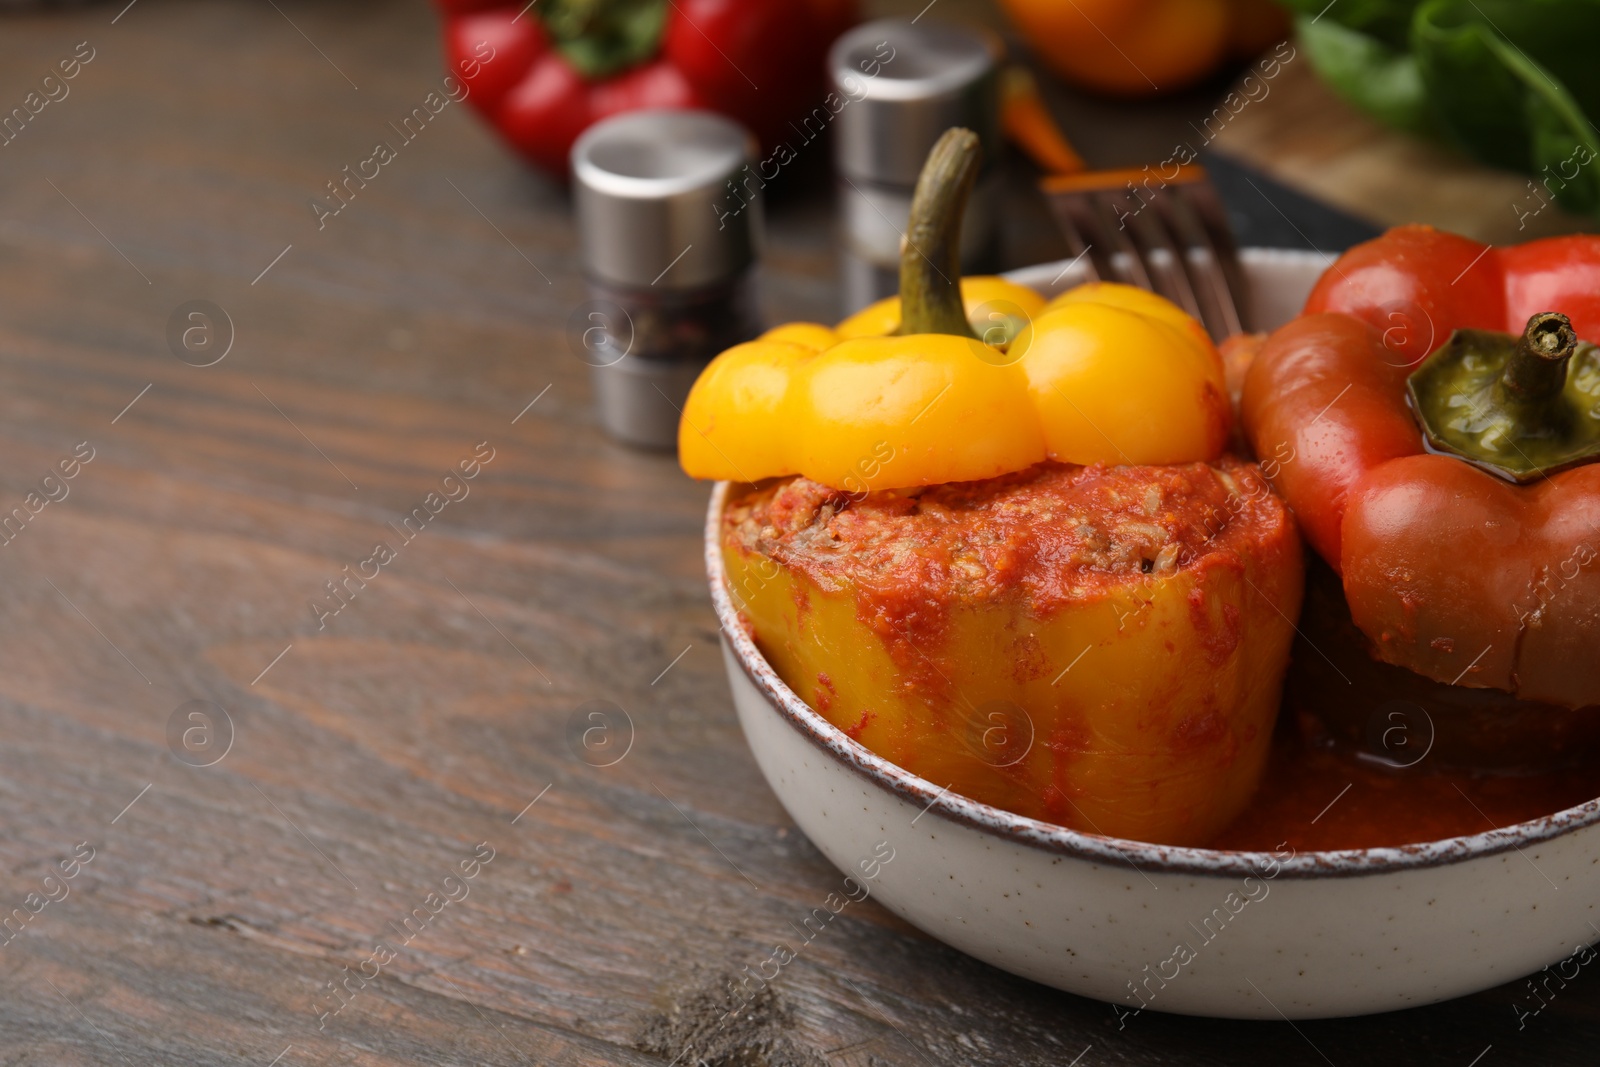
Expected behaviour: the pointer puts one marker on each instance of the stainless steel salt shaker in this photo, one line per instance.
(903, 84)
(669, 255)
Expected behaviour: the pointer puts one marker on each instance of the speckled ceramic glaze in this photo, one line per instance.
(1188, 930)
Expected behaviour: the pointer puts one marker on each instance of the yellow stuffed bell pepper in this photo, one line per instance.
(1015, 568)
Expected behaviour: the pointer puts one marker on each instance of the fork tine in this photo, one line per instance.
(1111, 214)
(1087, 207)
(1081, 247)
(1224, 276)
(1198, 261)
(1084, 239)
(1155, 231)
(1181, 247)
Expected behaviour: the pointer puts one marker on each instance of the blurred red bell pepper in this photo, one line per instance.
(544, 72)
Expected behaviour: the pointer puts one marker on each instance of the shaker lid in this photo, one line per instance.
(906, 83)
(654, 202)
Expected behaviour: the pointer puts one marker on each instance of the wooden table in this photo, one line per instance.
(373, 752)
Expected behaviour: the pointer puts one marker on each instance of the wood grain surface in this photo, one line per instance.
(430, 719)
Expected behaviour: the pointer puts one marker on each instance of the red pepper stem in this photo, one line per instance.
(1537, 368)
(930, 260)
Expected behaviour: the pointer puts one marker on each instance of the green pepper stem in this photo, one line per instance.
(930, 261)
(1537, 368)
(602, 37)
(1502, 402)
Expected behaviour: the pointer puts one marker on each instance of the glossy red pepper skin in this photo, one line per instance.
(1448, 570)
(760, 62)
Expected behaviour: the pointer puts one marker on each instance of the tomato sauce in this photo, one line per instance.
(1322, 791)
(1320, 797)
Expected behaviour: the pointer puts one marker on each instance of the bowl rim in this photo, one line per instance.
(1062, 841)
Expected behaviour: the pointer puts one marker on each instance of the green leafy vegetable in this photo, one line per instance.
(1512, 82)
(1377, 77)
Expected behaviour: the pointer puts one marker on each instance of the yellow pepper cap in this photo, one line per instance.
(957, 384)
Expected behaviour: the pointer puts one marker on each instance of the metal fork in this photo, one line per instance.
(1167, 235)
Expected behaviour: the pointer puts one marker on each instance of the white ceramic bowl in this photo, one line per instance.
(1187, 930)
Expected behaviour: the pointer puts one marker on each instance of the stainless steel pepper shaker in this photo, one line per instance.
(903, 84)
(668, 241)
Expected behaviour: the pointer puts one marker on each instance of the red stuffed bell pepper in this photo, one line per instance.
(1455, 492)
(542, 73)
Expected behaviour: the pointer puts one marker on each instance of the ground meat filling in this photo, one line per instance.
(1057, 533)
